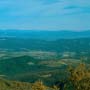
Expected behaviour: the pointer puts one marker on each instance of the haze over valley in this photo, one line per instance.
(23, 53)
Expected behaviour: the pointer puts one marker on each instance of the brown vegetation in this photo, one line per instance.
(78, 79)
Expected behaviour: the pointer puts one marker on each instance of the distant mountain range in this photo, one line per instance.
(45, 35)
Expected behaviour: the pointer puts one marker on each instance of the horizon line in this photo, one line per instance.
(44, 30)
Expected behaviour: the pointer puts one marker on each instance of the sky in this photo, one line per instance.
(45, 14)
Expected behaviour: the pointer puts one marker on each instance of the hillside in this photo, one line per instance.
(17, 85)
(10, 85)
(78, 79)
(61, 45)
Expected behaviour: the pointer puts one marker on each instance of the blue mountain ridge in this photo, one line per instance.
(44, 34)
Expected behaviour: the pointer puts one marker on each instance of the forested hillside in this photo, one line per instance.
(61, 45)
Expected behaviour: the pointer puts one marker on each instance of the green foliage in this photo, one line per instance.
(78, 79)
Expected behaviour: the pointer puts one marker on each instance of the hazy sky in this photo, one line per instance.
(45, 14)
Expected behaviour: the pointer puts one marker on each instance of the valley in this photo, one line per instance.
(30, 66)
(29, 60)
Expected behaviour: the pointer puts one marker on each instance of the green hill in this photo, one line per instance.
(18, 65)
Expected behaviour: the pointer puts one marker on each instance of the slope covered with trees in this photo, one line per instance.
(78, 79)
